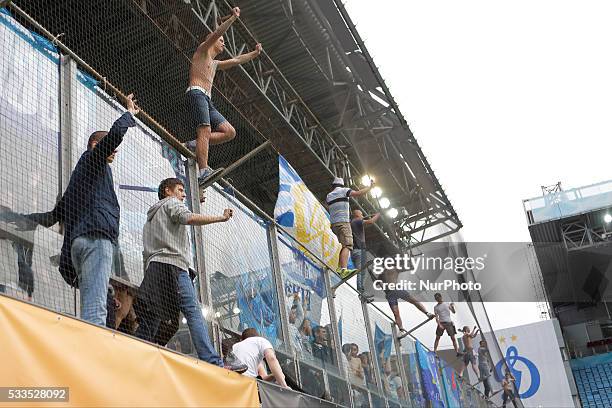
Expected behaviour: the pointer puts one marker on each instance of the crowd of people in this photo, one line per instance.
(89, 212)
(352, 238)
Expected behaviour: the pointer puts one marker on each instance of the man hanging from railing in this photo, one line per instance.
(167, 286)
(359, 252)
(210, 126)
(393, 297)
(253, 349)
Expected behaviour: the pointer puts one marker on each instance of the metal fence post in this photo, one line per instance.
(368, 327)
(68, 137)
(68, 72)
(402, 370)
(334, 325)
(278, 281)
(198, 238)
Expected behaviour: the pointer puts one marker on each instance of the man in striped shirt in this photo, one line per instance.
(338, 205)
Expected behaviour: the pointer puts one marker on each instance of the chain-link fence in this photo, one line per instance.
(64, 123)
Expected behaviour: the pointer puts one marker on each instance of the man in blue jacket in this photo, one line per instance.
(90, 212)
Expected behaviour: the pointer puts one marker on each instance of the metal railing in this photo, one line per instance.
(248, 270)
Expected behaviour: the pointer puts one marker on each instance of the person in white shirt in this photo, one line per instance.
(252, 350)
(445, 322)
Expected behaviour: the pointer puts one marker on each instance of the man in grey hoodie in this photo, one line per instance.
(167, 286)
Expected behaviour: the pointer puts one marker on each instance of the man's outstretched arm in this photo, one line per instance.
(107, 145)
(241, 59)
(221, 29)
(199, 219)
(275, 367)
(372, 220)
(363, 191)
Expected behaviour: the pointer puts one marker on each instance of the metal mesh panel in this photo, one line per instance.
(242, 285)
(50, 105)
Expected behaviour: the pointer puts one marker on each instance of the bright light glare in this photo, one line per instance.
(366, 180)
(376, 192)
(236, 310)
(384, 202)
(392, 213)
(608, 218)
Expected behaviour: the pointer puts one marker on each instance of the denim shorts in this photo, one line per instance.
(393, 296)
(202, 112)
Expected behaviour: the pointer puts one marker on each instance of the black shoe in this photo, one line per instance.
(233, 364)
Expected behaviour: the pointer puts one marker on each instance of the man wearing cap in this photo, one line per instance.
(338, 205)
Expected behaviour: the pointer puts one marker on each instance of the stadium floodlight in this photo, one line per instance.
(184, 320)
(376, 192)
(366, 180)
(608, 218)
(392, 213)
(236, 310)
(384, 202)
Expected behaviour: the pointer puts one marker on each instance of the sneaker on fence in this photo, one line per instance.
(402, 333)
(232, 363)
(207, 176)
(344, 272)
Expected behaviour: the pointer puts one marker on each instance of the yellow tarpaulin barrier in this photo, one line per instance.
(102, 368)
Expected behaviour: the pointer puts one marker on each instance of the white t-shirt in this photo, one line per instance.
(251, 352)
(443, 312)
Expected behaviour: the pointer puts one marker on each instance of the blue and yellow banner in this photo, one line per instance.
(300, 213)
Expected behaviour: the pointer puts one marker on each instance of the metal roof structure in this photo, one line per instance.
(316, 46)
(315, 93)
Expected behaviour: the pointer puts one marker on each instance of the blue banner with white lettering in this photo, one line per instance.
(429, 375)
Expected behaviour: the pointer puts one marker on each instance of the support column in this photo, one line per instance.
(278, 281)
(68, 107)
(334, 325)
(368, 327)
(200, 265)
(67, 139)
(400, 363)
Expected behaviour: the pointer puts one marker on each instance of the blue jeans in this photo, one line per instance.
(93, 262)
(358, 256)
(189, 306)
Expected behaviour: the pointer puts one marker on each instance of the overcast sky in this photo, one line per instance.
(503, 97)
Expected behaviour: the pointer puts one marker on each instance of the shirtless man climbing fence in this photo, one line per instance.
(210, 126)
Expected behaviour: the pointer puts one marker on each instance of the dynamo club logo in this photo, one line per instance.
(518, 366)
